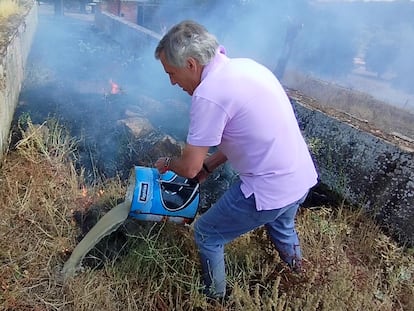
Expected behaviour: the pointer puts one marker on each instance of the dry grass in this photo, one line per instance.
(9, 8)
(360, 106)
(350, 264)
(12, 13)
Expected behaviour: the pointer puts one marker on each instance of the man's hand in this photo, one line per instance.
(162, 164)
(187, 165)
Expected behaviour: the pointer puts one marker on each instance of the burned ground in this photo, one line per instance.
(76, 77)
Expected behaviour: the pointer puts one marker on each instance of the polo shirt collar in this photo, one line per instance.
(218, 59)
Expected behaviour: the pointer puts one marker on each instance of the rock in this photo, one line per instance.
(138, 126)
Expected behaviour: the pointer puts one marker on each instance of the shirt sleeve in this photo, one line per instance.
(207, 122)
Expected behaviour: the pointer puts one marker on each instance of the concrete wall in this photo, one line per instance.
(13, 58)
(128, 10)
(128, 34)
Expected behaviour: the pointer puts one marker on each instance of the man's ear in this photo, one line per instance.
(192, 64)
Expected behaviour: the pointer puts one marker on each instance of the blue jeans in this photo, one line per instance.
(232, 216)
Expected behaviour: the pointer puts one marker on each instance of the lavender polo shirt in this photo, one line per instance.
(241, 107)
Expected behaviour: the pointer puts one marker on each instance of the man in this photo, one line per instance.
(239, 106)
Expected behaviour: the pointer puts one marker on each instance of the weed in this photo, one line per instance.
(9, 8)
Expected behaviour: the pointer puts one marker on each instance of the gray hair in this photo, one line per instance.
(187, 39)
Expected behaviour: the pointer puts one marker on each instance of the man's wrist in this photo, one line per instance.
(205, 167)
(167, 163)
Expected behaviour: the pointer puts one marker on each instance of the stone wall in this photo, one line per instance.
(366, 170)
(13, 58)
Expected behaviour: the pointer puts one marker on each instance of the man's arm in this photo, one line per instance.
(191, 162)
(187, 165)
(214, 161)
(210, 164)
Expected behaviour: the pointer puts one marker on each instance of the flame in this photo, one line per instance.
(115, 89)
(84, 191)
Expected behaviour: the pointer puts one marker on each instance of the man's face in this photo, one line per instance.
(188, 77)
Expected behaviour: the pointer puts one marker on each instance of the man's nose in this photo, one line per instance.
(173, 82)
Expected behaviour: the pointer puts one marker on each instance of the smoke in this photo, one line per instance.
(346, 42)
(70, 76)
(72, 63)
